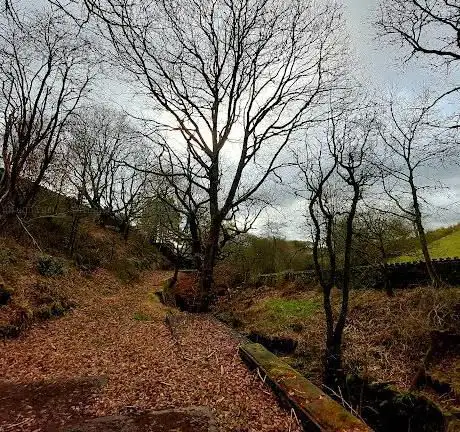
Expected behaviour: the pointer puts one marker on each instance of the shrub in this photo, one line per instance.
(48, 302)
(88, 260)
(49, 266)
(127, 270)
(7, 256)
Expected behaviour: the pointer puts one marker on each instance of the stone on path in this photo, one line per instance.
(193, 419)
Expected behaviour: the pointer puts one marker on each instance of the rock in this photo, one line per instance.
(193, 419)
(316, 410)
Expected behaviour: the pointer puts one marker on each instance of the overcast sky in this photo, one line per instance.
(380, 67)
(383, 68)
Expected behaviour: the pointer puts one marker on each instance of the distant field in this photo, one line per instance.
(448, 246)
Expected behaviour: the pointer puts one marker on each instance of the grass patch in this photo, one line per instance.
(140, 316)
(280, 314)
(448, 246)
(291, 309)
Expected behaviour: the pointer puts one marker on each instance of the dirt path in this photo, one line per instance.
(115, 354)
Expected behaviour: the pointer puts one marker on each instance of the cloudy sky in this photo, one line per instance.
(380, 66)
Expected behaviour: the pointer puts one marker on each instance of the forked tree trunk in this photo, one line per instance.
(333, 372)
(435, 280)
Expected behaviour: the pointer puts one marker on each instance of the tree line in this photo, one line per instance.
(239, 95)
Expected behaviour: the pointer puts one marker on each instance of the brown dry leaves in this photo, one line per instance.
(118, 336)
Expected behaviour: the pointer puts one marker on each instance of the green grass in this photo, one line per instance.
(445, 247)
(278, 314)
(293, 309)
(139, 316)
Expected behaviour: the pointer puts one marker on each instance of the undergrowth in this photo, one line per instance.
(385, 337)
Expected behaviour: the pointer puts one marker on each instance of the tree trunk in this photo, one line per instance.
(386, 280)
(126, 231)
(435, 280)
(196, 243)
(333, 373)
(75, 224)
(211, 246)
(6, 194)
(206, 275)
(73, 234)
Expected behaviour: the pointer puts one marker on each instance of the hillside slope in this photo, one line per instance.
(39, 273)
(445, 247)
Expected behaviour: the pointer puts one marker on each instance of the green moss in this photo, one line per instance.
(152, 297)
(139, 316)
(301, 394)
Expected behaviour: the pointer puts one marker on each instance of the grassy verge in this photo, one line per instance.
(280, 314)
(385, 338)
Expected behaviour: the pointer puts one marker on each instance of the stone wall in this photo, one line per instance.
(400, 275)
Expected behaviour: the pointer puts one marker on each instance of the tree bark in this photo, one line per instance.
(386, 280)
(333, 372)
(206, 277)
(195, 240)
(206, 274)
(435, 280)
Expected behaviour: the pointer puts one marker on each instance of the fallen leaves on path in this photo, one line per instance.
(115, 353)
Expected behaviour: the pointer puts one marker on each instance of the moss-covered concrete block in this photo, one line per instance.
(316, 410)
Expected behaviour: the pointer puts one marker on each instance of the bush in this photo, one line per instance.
(51, 310)
(7, 256)
(126, 269)
(88, 259)
(49, 266)
(49, 301)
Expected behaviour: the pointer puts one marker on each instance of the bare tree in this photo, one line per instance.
(44, 72)
(132, 188)
(430, 29)
(426, 27)
(413, 141)
(232, 80)
(334, 176)
(378, 232)
(107, 160)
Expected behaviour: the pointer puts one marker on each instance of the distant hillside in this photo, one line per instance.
(448, 245)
